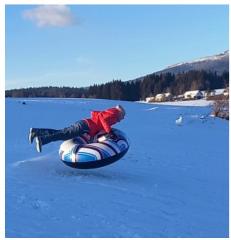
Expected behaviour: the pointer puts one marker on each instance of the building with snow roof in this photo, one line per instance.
(196, 94)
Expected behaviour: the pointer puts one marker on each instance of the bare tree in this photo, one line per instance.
(221, 108)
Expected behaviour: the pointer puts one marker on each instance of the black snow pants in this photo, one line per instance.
(50, 135)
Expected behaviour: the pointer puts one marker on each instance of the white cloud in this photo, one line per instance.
(50, 16)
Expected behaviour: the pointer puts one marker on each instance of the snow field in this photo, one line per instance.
(173, 182)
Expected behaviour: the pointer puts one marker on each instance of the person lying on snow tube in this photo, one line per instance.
(100, 120)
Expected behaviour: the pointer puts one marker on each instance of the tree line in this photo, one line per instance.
(135, 90)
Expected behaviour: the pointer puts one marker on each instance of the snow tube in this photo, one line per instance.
(101, 151)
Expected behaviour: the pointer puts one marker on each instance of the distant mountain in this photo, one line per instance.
(218, 63)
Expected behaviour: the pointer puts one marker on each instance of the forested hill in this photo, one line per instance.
(218, 63)
(150, 85)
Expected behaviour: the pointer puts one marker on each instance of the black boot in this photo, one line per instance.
(38, 143)
(40, 132)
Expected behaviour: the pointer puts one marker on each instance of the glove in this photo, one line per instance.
(111, 135)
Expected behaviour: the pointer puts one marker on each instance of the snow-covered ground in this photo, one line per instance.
(190, 103)
(173, 182)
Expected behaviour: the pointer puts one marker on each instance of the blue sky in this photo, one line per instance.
(80, 45)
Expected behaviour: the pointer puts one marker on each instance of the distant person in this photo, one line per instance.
(100, 120)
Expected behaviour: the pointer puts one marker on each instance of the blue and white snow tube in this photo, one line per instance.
(80, 153)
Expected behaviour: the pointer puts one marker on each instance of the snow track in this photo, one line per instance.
(34, 159)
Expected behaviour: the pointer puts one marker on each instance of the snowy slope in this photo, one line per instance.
(218, 57)
(218, 63)
(173, 182)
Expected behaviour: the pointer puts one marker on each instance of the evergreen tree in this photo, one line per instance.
(133, 90)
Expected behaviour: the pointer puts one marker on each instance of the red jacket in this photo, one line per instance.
(102, 120)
